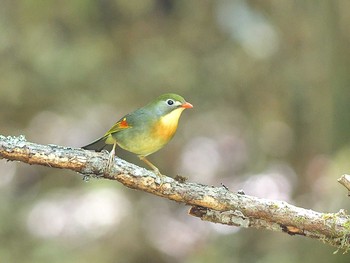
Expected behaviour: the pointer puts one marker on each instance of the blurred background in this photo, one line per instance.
(269, 81)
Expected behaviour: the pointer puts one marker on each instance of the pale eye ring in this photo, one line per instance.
(170, 102)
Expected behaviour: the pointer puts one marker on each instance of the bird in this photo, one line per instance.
(145, 130)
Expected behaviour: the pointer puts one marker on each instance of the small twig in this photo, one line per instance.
(345, 181)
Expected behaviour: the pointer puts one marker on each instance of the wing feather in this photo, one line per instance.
(107, 140)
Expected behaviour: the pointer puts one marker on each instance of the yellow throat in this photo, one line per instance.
(167, 125)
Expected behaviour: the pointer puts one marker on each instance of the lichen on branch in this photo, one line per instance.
(214, 204)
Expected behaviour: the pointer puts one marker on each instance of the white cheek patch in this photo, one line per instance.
(178, 103)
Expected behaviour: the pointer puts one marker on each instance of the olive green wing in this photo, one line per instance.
(122, 124)
(104, 142)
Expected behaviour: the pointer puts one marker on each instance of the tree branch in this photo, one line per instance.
(214, 204)
(345, 181)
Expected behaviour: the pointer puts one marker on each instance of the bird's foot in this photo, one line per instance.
(154, 168)
(110, 163)
(160, 176)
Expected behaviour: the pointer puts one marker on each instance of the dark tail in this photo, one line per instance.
(98, 145)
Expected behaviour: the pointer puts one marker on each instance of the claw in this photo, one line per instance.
(161, 176)
(154, 168)
(110, 161)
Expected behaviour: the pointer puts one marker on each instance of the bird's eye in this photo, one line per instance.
(170, 102)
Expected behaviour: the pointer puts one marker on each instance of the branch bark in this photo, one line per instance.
(214, 204)
(345, 181)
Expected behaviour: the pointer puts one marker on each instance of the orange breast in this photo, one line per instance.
(165, 131)
(167, 125)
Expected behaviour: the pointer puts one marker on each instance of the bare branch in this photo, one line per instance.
(214, 204)
(345, 181)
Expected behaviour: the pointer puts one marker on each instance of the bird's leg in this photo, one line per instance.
(154, 168)
(111, 157)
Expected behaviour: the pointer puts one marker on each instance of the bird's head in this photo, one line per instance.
(168, 103)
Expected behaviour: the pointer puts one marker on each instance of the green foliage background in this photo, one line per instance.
(270, 84)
